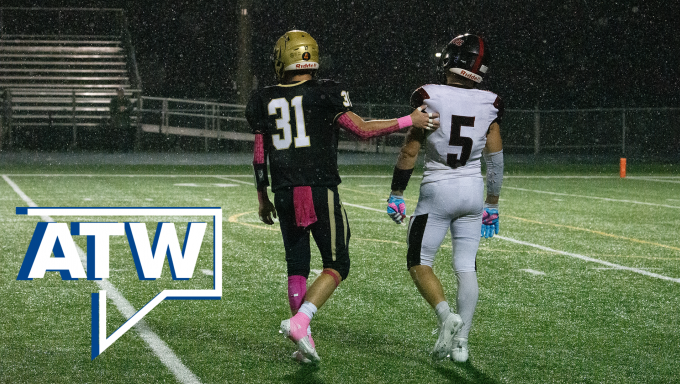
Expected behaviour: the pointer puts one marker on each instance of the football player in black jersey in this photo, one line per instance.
(296, 125)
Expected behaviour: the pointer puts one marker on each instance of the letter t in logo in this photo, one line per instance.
(98, 245)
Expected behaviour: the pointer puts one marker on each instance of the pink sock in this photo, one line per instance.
(297, 289)
(298, 326)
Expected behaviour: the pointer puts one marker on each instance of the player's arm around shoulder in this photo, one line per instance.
(373, 128)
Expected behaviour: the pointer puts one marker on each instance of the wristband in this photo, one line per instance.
(405, 121)
(490, 206)
(400, 178)
(261, 179)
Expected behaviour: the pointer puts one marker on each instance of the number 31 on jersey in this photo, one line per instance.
(281, 108)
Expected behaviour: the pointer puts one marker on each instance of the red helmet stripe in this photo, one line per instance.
(478, 61)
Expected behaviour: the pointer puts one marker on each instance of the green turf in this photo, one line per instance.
(579, 322)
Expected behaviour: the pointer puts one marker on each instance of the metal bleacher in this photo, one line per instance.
(60, 67)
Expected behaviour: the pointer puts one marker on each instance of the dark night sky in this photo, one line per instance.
(561, 54)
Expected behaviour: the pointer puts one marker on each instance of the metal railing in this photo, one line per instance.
(171, 112)
(131, 58)
(607, 131)
(207, 119)
(620, 131)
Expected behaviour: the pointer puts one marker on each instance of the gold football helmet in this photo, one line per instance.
(294, 51)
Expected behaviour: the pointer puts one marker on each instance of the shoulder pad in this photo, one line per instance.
(418, 97)
(499, 105)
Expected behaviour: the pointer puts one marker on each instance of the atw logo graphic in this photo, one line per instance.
(56, 238)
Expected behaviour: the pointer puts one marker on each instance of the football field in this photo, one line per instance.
(582, 285)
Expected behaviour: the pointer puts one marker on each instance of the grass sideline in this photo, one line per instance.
(579, 321)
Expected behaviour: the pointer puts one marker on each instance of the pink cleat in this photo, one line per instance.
(295, 329)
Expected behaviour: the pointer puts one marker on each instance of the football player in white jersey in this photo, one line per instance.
(451, 192)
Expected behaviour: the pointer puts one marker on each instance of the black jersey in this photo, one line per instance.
(300, 134)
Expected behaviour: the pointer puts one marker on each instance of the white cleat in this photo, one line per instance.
(300, 358)
(285, 328)
(459, 353)
(305, 347)
(447, 330)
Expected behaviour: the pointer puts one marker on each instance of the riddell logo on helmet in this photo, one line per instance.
(305, 66)
(469, 75)
(457, 42)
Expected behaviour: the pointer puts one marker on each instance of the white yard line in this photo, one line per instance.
(225, 177)
(658, 180)
(593, 197)
(654, 177)
(158, 346)
(532, 271)
(586, 258)
(588, 177)
(123, 175)
(367, 208)
(651, 178)
(557, 177)
(234, 180)
(110, 175)
(576, 255)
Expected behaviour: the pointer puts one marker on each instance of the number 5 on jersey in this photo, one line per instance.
(456, 140)
(280, 107)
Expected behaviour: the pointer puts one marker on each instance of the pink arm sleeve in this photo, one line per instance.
(345, 122)
(258, 149)
(260, 167)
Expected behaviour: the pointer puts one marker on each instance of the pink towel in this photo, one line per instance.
(304, 206)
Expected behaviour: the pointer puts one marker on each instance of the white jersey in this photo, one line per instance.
(455, 149)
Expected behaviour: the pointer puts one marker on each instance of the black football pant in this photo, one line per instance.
(331, 231)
